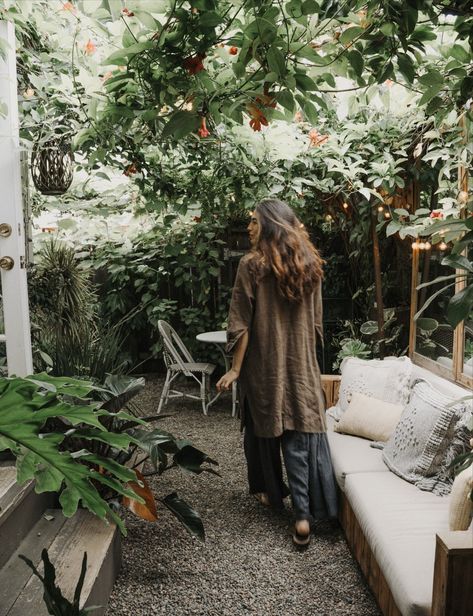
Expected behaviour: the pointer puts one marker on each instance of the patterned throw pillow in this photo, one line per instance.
(432, 431)
(386, 380)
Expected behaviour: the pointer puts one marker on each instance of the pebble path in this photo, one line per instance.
(247, 564)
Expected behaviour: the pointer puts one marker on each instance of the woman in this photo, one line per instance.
(275, 322)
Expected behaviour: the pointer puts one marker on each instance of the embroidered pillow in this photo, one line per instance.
(461, 506)
(430, 434)
(386, 380)
(369, 418)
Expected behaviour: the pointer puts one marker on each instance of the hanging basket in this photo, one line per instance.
(52, 167)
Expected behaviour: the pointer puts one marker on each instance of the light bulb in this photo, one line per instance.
(380, 208)
(328, 218)
(387, 215)
(443, 246)
(427, 245)
(346, 206)
(421, 245)
(415, 245)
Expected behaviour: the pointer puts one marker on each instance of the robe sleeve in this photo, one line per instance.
(318, 314)
(242, 306)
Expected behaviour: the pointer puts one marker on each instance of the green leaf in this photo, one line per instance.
(184, 512)
(388, 28)
(210, 19)
(430, 93)
(427, 325)
(305, 83)
(356, 60)
(434, 105)
(121, 56)
(406, 67)
(276, 61)
(392, 228)
(350, 34)
(285, 98)
(460, 306)
(431, 78)
(311, 112)
(239, 69)
(369, 328)
(147, 19)
(459, 53)
(180, 124)
(458, 262)
(191, 459)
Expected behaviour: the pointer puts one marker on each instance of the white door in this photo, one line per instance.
(12, 241)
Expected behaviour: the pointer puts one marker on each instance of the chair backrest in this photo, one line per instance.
(174, 350)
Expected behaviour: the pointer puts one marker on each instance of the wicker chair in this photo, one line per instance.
(179, 361)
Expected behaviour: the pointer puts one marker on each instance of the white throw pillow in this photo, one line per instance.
(369, 418)
(461, 505)
(386, 380)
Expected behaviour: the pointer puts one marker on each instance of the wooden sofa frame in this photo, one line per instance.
(453, 569)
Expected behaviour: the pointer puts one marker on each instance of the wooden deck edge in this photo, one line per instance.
(103, 585)
(21, 509)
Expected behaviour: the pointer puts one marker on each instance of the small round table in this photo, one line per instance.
(219, 339)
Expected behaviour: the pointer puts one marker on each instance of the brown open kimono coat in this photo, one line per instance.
(280, 376)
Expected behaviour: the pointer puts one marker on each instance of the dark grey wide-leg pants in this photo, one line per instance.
(310, 475)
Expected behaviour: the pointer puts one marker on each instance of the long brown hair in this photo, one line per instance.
(283, 246)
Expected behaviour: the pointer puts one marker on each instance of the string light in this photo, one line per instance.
(328, 218)
(345, 206)
(387, 215)
(422, 246)
(443, 246)
(427, 245)
(380, 208)
(415, 245)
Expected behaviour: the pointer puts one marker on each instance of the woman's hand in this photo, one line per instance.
(227, 380)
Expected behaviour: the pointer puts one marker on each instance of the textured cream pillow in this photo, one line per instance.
(461, 506)
(369, 418)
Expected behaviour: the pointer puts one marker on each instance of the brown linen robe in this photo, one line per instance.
(280, 376)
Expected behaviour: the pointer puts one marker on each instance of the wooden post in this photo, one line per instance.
(414, 279)
(459, 332)
(377, 283)
(453, 574)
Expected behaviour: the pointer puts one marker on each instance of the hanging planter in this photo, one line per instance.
(52, 167)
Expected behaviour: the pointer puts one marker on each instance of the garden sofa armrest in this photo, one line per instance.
(453, 574)
(331, 387)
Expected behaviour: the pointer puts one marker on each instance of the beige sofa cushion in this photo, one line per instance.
(400, 523)
(369, 418)
(461, 505)
(351, 454)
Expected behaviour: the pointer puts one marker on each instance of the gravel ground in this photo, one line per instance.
(247, 564)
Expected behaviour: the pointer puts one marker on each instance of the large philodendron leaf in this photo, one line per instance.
(184, 512)
(119, 390)
(460, 306)
(25, 406)
(191, 459)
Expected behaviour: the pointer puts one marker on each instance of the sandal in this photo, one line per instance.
(300, 540)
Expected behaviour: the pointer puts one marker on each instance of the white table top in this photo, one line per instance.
(219, 337)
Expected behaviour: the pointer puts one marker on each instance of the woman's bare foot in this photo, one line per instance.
(262, 498)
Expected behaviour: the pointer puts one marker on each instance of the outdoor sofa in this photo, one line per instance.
(398, 533)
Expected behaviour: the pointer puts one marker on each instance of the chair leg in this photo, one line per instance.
(234, 398)
(203, 393)
(164, 393)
